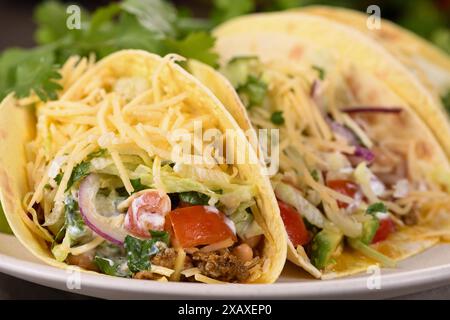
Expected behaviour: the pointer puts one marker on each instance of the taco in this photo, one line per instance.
(362, 180)
(93, 178)
(430, 64)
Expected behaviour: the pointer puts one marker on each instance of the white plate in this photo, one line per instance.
(425, 271)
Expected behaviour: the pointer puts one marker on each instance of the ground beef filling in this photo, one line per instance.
(221, 265)
(167, 257)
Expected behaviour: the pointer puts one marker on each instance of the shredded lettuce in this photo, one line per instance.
(293, 197)
(246, 225)
(231, 195)
(369, 183)
(345, 223)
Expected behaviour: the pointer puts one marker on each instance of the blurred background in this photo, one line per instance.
(428, 18)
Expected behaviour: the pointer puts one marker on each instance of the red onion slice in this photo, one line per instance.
(361, 153)
(364, 153)
(342, 131)
(372, 109)
(99, 224)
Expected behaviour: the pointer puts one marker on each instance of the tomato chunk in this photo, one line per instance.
(346, 187)
(293, 222)
(384, 230)
(199, 225)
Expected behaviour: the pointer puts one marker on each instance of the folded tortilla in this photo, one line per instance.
(337, 89)
(429, 63)
(107, 130)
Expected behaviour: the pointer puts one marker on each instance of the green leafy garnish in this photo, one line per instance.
(139, 252)
(277, 118)
(113, 267)
(253, 92)
(376, 207)
(162, 236)
(137, 186)
(320, 71)
(196, 46)
(80, 171)
(23, 71)
(194, 198)
(75, 225)
(151, 25)
(224, 9)
(315, 175)
(446, 101)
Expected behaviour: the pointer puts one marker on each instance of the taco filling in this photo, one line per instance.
(108, 195)
(354, 166)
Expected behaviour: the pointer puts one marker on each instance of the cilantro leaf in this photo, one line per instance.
(152, 25)
(376, 207)
(137, 186)
(277, 118)
(23, 71)
(156, 16)
(194, 198)
(51, 19)
(74, 223)
(320, 71)
(195, 45)
(224, 9)
(139, 252)
(80, 171)
(112, 267)
(162, 236)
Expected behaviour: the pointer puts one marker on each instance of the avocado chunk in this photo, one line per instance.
(239, 69)
(323, 246)
(370, 228)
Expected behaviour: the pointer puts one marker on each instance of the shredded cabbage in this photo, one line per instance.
(293, 197)
(229, 194)
(345, 223)
(61, 251)
(246, 225)
(370, 185)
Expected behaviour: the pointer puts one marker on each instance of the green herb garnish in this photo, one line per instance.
(277, 118)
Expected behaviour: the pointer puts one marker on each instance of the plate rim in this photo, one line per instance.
(394, 284)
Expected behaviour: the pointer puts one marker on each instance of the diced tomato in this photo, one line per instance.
(345, 187)
(199, 225)
(147, 212)
(384, 230)
(293, 222)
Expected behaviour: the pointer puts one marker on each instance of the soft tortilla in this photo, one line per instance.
(259, 35)
(17, 128)
(426, 61)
